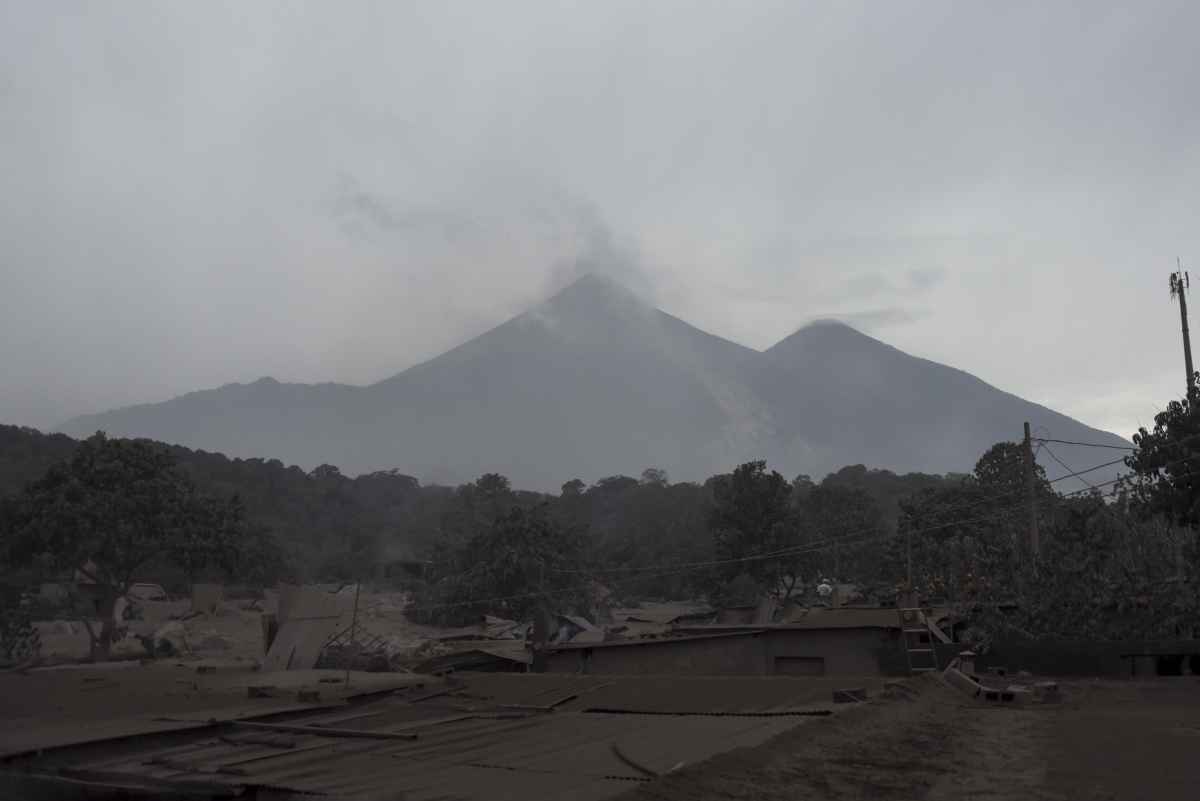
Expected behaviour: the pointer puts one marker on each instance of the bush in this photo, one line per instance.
(19, 639)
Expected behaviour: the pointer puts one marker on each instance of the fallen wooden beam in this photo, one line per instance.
(631, 762)
(321, 731)
(188, 767)
(270, 742)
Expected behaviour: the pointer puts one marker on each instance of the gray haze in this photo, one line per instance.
(203, 193)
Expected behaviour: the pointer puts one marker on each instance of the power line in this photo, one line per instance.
(833, 540)
(1079, 473)
(1066, 466)
(1085, 444)
(660, 571)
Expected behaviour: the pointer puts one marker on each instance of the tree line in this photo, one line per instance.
(1115, 562)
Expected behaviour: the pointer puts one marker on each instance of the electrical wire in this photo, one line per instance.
(1064, 465)
(1084, 444)
(790, 550)
(664, 571)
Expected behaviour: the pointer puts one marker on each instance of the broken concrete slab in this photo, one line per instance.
(298, 644)
(300, 602)
(855, 695)
(207, 598)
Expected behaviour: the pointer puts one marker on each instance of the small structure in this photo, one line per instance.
(308, 618)
(822, 641)
(501, 656)
(573, 628)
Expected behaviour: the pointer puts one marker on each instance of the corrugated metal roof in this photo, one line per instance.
(825, 618)
(486, 739)
(477, 652)
(693, 633)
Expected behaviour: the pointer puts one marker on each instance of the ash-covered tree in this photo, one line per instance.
(751, 522)
(524, 559)
(968, 538)
(110, 510)
(843, 525)
(1166, 463)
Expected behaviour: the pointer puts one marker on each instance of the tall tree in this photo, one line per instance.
(846, 522)
(113, 508)
(1166, 463)
(523, 559)
(751, 518)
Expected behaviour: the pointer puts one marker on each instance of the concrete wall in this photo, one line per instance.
(1063, 658)
(846, 652)
(829, 652)
(718, 656)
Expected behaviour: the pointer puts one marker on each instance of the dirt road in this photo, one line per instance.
(1107, 741)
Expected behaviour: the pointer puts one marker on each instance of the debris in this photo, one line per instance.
(270, 628)
(852, 696)
(495, 628)
(573, 628)
(147, 592)
(260, 691)
(1046, 692)
(308, 619)
(213, 642)
(898, 691)
(1043, 692)
(305, 602)
(168, 640)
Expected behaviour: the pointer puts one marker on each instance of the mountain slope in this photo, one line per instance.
(596, 382)
(853, 399)
(593, 382)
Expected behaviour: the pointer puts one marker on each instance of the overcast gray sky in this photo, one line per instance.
(197, 193)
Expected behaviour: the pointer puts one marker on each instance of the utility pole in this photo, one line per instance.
(353, 633)
(1034, 538)
(908, 555)
(1180, 282)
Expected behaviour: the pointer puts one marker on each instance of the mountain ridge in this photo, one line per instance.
(595, 381)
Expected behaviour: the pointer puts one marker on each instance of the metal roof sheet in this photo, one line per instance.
(484, 739)
(692, 633)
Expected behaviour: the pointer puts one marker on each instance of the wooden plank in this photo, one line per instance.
(188, 767)
(321, 731)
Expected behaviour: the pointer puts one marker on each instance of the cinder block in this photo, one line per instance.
(961, 681)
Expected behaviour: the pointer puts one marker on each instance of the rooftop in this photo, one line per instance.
(486, 736)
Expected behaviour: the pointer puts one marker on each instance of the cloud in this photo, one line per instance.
(335, 193)
(876, 319)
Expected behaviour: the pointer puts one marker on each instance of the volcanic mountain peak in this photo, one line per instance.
(596, 381)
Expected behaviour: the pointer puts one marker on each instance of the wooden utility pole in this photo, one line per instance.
(353, 633)
(1179, 284)
(1034, 539)
(908, 554)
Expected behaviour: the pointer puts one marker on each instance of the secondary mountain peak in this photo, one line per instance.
(825, 334)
